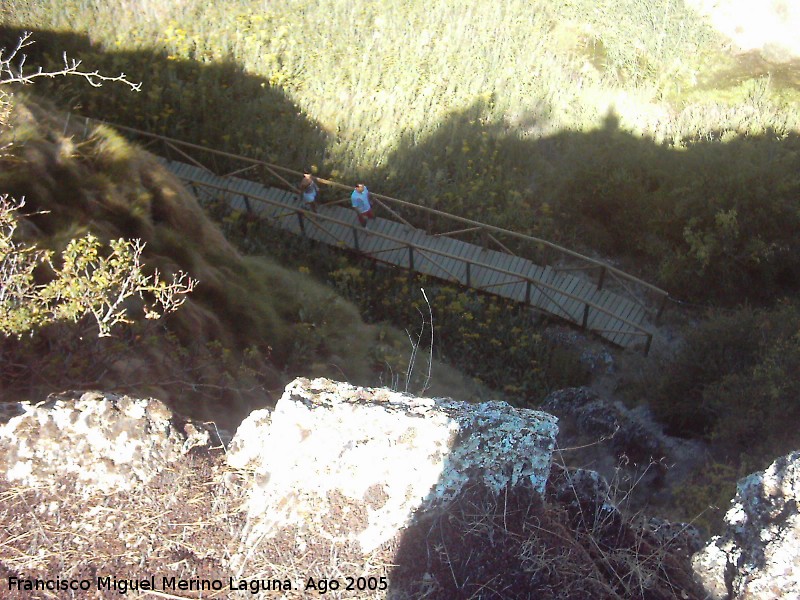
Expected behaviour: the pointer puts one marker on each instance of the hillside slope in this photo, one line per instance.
(249, 325)
(632, 130)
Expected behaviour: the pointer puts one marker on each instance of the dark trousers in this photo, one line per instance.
(362, 217)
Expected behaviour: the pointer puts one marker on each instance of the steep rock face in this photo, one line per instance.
(331, 454)
(104, 441)
(758, 555)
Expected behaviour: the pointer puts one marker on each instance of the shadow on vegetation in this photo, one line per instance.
(215, 104)
(516, 546)
(713, 220)
(710, 219)
(230, 340)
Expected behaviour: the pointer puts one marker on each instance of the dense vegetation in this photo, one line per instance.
(736, 382)
(619, 127)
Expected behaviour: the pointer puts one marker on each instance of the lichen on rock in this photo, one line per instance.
(99, 441)
(758, 555)
(381, 457)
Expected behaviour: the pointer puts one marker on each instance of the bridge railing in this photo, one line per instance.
(651, 298)
(565, 305)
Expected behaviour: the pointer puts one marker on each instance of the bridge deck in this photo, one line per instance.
(619, 320)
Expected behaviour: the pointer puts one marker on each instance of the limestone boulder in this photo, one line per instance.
(758, 555)
(99, 441)
(357, 465)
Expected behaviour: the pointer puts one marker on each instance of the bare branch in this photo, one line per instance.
(12, 69)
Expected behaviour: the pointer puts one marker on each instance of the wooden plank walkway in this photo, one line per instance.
(615, 318)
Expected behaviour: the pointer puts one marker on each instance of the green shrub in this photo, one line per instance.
(735, 383)
(723, 343)
(692, 185)
(494, 340)
(85, 282)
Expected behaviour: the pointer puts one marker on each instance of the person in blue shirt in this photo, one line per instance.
(361, 204)
(309, 191)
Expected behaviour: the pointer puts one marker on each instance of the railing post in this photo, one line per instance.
(528, 292)
(411, 258)
(300, 221)
(602, 278)
(661, 308)
(469, 274)
(648, 344)
(355, 239)
(585, 323)
(484, 239)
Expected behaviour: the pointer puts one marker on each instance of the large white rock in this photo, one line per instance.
(356, 464)
(758, 555)
(99, 441)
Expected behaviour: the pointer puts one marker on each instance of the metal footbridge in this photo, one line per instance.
(585, 292)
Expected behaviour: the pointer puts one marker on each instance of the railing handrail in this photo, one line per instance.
(335, 184)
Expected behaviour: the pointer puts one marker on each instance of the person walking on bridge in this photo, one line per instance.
(309, 191)
(361, 204)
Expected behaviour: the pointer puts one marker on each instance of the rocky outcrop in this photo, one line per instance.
(623, 445)
(758, 555)
(100, 441)
(348, 491)
(599, 418)
(332, 454)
